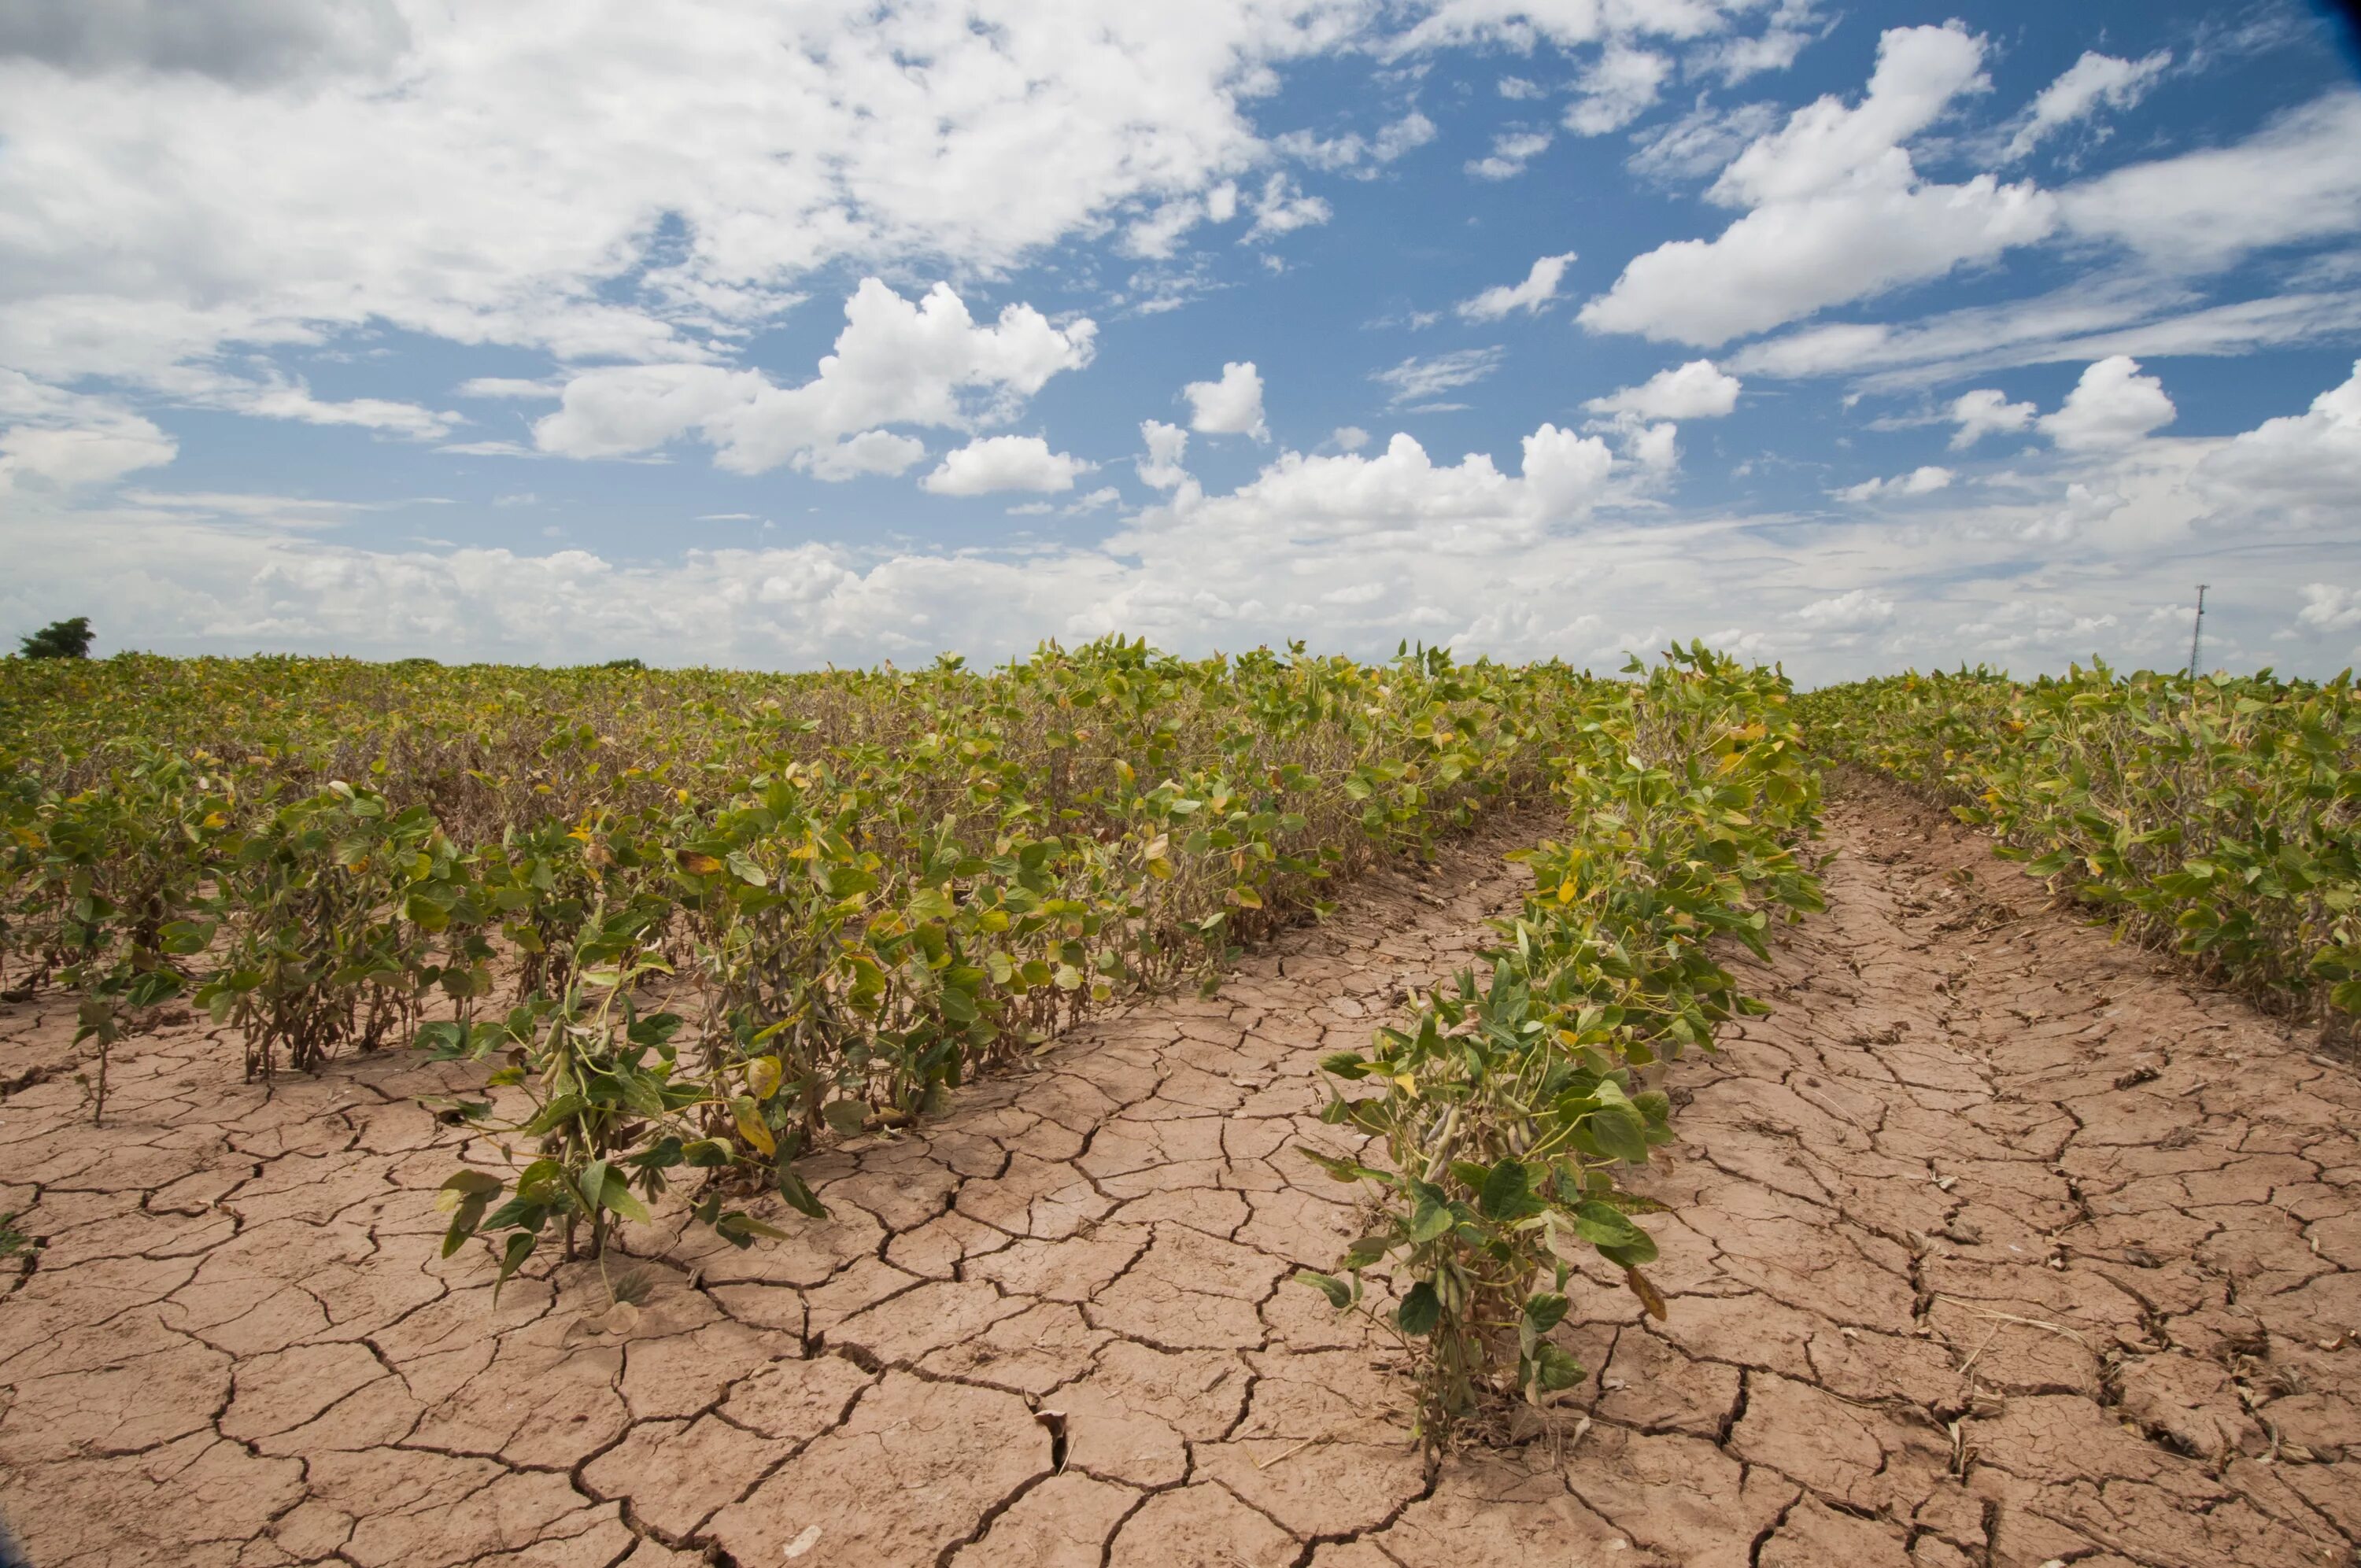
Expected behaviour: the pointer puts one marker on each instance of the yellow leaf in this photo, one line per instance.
(763, 1075)
(1651, 1300)
(751, 1128)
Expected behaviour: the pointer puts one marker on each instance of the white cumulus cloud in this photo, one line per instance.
(1655, 447)
(1231, 406)
(896, 362)
(55, 441)
(1616, 89)
(1986, 411)
(1003, 463)
(2305, 467)
(1694, 390)
(870, 452)
(2330, 608)
(1401, 492)
(1167, 444)
(1837, 210)
(2113, 405)
(75, 457)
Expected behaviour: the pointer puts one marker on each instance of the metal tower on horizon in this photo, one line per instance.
(2197, 631)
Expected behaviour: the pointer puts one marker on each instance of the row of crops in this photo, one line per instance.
(1507, 1104)
(694, 923)
(2220, 817)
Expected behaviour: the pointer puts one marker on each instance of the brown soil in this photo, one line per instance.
(1993, 1245)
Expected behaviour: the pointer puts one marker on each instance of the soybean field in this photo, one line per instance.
(1120, 1109)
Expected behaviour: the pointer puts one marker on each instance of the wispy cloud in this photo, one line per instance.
(1419, 380)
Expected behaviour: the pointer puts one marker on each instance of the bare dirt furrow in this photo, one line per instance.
(1993, 1245)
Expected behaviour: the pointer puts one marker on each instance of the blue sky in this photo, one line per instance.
(1854, 337)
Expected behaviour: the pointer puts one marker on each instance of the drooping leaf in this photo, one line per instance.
(1339, 1294)
(1419, 1310)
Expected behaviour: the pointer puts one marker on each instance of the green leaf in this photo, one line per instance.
(559, 1110)
(616, 1194)
(1339, 1294)
(1620, 1132)
(1602, 1226)
(518, 1247)
(592, 1184)
(1544, 1312)
(799, 1194)
(1430, 1217)
(1343, 1169)
(1419, 1310)
(1506, 1193)
(1553, 1370)
(740, 1229)
(468, 1212)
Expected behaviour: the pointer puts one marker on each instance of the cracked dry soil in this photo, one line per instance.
(1994, 1245)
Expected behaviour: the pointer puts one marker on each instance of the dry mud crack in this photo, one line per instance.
(1993, 1245)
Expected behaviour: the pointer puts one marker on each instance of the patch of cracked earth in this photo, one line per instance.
(1993, 1245)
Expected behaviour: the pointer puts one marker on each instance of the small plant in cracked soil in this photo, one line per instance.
(613, 1115)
